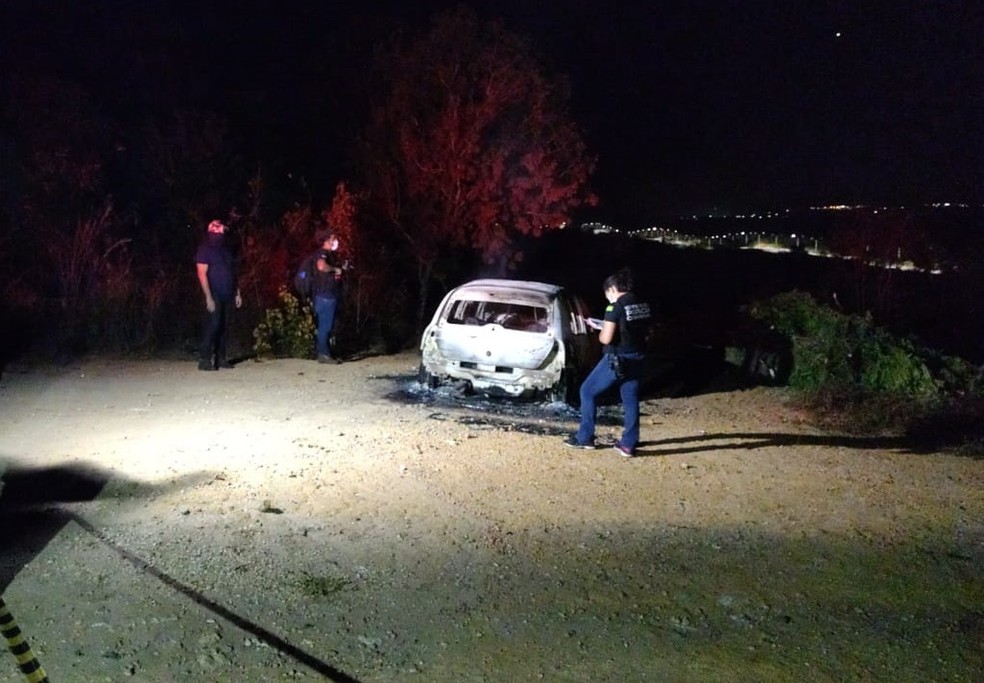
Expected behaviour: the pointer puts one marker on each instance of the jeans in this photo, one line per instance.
(324, 310)
(213, 347)
(601, 378)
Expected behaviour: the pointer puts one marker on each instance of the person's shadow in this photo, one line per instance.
(745, 441)
(29, 515)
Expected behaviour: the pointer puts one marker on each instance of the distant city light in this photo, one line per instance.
(774, 241)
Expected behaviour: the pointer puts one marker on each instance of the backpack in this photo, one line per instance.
(303, 278)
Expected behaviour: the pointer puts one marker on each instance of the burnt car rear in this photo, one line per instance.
(509, 337)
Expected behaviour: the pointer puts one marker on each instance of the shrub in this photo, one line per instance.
(833, 351)
(286, 331)
(955, 376)
(886, 365)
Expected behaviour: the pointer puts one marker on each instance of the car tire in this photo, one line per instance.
(565, 390)
(427, 379)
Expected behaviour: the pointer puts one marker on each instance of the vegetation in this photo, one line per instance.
(286, 331)
(857, 375)
(321, 586)
(468, 145)
(832, 350)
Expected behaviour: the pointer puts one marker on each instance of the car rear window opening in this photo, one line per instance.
(511, 316)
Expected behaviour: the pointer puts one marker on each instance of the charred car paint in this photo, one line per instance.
(510, 337)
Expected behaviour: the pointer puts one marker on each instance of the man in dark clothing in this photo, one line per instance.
(217, 278)
(623, 332)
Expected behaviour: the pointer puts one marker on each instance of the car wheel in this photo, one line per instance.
(427, 379)
(565, 390)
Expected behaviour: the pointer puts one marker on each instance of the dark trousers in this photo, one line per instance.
(324, 310)
(601, 378)
(213, 347)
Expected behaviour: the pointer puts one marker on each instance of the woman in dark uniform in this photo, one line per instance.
(623, 333)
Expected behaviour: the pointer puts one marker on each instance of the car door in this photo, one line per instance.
(582, 341)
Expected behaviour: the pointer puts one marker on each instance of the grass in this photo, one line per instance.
(322, 586)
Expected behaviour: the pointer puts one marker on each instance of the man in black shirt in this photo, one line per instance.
(623, 332)
(217, 278)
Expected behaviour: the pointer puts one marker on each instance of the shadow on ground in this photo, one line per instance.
(33, 512)
(29, 516)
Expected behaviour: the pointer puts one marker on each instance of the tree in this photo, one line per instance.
(69, 234)
(470, 145)
(342, 219)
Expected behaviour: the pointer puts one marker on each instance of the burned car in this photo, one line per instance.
(510, 337)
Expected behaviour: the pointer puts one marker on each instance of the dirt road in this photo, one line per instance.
(288, 520)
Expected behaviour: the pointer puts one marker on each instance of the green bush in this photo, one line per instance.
(893, 366)
(955, 376)
(833, 351)
(286, 331)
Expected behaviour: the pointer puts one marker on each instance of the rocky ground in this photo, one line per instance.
(288, 520)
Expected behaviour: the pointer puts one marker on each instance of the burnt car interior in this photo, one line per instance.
(522, 317)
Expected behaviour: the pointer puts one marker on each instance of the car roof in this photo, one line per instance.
(500, 286)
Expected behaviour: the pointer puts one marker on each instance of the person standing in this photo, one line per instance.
(623, 333)
(325, 293)
(217, 278)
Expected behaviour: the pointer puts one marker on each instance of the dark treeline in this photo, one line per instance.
(126, 129)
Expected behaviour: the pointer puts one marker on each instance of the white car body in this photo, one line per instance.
(511, 337)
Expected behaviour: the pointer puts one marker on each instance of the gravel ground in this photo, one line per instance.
(287, 520)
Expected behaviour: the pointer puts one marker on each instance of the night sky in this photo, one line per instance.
(690, 106)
